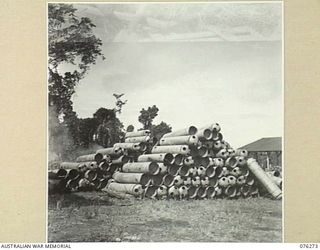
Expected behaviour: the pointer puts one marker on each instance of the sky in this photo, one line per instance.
(198, 63)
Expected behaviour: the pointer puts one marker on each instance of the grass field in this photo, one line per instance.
(94, 217)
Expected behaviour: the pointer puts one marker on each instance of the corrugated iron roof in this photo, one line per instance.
(264, 145)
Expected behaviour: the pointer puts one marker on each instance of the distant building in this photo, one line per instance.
(267, 151)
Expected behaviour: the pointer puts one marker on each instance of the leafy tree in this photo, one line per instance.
(146, 116)
(70, 42)
(157, 131)
(110, 129)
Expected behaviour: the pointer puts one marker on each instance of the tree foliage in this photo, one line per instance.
(147, 115)
(70, 41)
(71, 44)
(157, 131)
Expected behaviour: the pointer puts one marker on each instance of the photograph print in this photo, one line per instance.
(165, 122)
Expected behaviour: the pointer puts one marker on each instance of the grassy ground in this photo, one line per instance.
(84, 217)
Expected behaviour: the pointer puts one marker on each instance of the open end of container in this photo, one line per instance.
(231, 191)
(150, 191)
(192, 130)
(210, 171)
(201, 192)
(168, 158)
(168, 180)
(218, 171)
(184, 170)
(62, 173)
(178, 159)
(145, 179)
(72, 184)
(154, 168)
(232, 162)
(202, 151)
(192, 192)
(207, 134)
(173, 169)
(156, 180)
(73, 174)
(98, 157)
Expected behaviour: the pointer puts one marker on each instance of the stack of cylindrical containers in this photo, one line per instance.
(93, 171)
(191, 163)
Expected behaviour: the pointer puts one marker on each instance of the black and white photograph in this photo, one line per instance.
(165, 122)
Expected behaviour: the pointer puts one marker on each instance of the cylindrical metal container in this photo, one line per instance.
(188, 161)
(223, 153)
(232, 180)
(173, 149)
(168, 180)
(178, 159)
(223, 182)
(201, 171)
(236, 171)
(241, 180)
(150, 192)
(137, 178)
(173, 192)
(218, 162)
(137, 133)
(205, 161)
(134, 189)
(70, 165)
(196, 181)
(231, 162)
(57, 173)
(230, 191)
(114, 151)
(72, 174)
(188, 131)
(193, 171)
(157, 180)
(98, 157)
(242, 152)
(163, 169)
(178, 181)
(162, 192)
(183, 192)
(192, 192)
(138, 139)
(203, 151)
(241, 161)
(187, 181)
(121, 160)
(179, 140)
(173, 169)
(217, 145)
(213, 182)
(210, 191)
(276, 180)
(184, 170)
(245, 190)
(263, 178)
(218, 191)
(90, 175)
(140, 146)
(224, 172)
(204, 134)
(141, 167)
(204, 181)
(162, 157)
(201, 192)
(250, 179)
